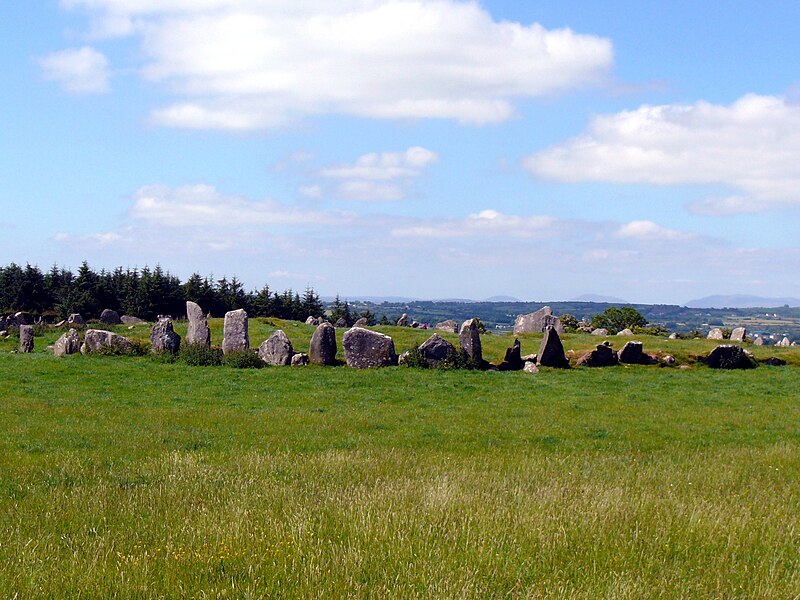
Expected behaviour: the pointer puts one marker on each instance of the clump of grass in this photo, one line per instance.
(246, 359)
(200, 355)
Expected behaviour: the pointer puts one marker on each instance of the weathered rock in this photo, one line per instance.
(530, 368)
(739, 334)
(300, 359)
(235, 334)
(364, 349)
(600, 331)
(760, 341)
(362, 322)
(668, 359)
(716, 334)
(536, 322)
(470, 340)
(96, 340)
(513, 358)
(602, 356)
(322, 349)
(311, 320)
(530, 357)
(129, 320)
(625, 333)
(729, 356)
(110, 317)
(198, 331)
(163, 338)
(26, 338)
(340, 322)
(673, 336)
(436, 349)
(632, 353)
(450, 326)
(773, 361)
(277, 350)
(76, 319)
(784, 343)
(403, 321)
(416, 324)
(69, 343)
(551, 351)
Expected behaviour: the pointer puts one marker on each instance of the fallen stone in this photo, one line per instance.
(26, 338)
(668, 359)
(277, 350)
(673, 336)
(729, 356)
(300, 359)
(600, 331)
(774, 361)
(322, 349)
(129, 320)
(602, 356)
(236, 337)
(450, 326)
(436, 349)
(530, 368)
(536, 322)
(365, 349)
(198, 331)
(97, 340)
(551, 351)
(632, 353)
(470, 340)
(625, 333)
(163, 338)
(362, 322)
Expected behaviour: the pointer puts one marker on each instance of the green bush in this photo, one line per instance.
(414, 359)
(246, 359)
(200, 355)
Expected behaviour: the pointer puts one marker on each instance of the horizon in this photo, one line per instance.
(443, 149)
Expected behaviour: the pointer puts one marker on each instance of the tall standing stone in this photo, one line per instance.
(198, 332)
(163, 338)
(235, 334)
(470, 340)
(26, 338)
(365, 349)
(551, 352)
(536, 322)
(277, 350)
(69, 343)
(322, 349)
(739, 334)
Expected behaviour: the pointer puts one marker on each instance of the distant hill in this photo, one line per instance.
(598, 298)
(502, 299)
(741, 301)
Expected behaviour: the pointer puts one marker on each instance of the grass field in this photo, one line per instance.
(128, 477)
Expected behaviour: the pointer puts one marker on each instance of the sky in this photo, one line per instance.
(543, 150)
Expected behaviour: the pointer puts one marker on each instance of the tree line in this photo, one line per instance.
(144, 293)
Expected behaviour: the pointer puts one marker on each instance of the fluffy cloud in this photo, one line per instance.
(486, 224)
(752, 145)
(649, 231)
(247, 64)
(78, 70)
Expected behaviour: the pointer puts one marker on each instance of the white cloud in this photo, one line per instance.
(649, 231)
(248, 64)
(80, 71)
(485, 224)
(752, 145)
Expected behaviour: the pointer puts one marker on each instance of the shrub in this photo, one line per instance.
(246, 359)
(200, 355)
(415, 360)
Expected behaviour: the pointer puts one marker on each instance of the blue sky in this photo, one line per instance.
(544, 150)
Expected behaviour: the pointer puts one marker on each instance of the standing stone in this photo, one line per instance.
(362, 322)
(436, 349)
(716, 334)
(235, 334)
(110, 317)
(632, 353)
(403, 321)
(340, 322)
(322, 349)
(163, 338)
(364, 349)
(513, 359)
(450, 326)
(76, 319)
(551, 351)
(311, 320)
(26, 338)
(602, 356)
(730, 356)
(784, 342)
(69, 343)
(760, 341)
(600, 331)
(96, 340)
(536, 322)
(470, 340)
(739, 334)
(276, 350)
(625, 332)
(198, 331)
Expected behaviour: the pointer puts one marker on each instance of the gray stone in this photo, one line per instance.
(513, 358)
(76, 319)
(236, 337)
(163, 338)
(129, 320)
(536, 322)
(403, 321)
(673, 336)
(784, 342)
(340, 322)
(632, 353)
(110, 317)
(760, 341)
(26, 338)
(435, 349)
(470, 340)
(97, 340)
(668, 359)
(69, 343)
(300, 359)
(362, 322)
(198, 331)
(730, 356)
(600, 331)
(602, 356)
(450, 326)
(322, 349)
(715, 334)
(530, 368)
(277, 350)
(311, 320)
(551, 351)
(625, 333)
(364, 349)
(739, 334)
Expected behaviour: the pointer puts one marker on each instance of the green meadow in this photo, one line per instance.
(134, 477)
